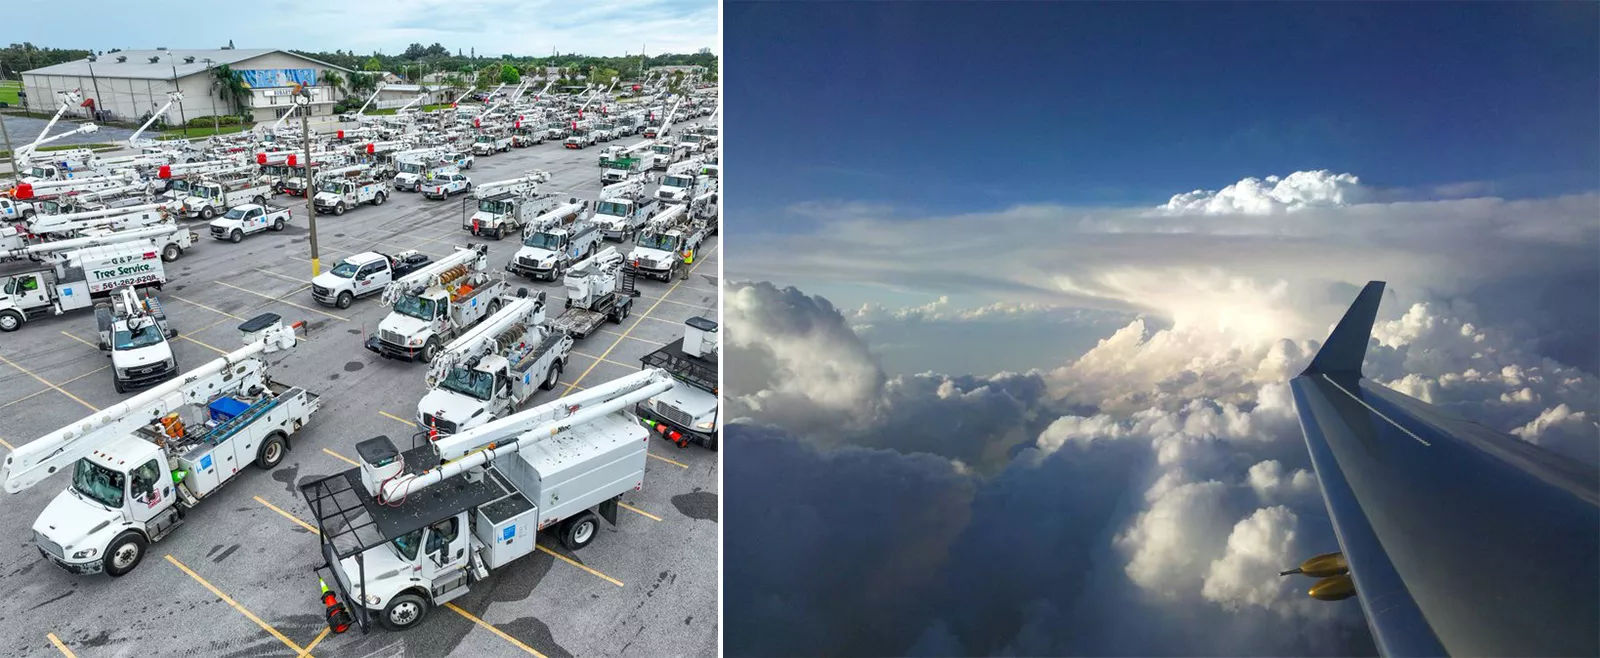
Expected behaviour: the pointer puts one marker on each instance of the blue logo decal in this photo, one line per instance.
(205, 462)
(508, 533)
(527, 378)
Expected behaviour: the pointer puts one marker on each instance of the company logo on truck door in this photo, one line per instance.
(122, 271)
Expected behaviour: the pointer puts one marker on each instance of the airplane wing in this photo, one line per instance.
(1458, 540)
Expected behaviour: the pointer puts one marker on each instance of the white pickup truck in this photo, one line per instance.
(362, 274)
(444, 185)
(249, 219)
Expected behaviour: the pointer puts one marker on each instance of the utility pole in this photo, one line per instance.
(303, 98)
(11, 153)
(181, 118)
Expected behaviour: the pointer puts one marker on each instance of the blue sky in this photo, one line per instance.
(911, 106)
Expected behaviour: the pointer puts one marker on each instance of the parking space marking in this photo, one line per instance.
(591, 356)
(208, 308)
(42, 380)
(281, 299)
(287, 515)
(96, 347)
(669, 461)
(187, 338)
(42, 391)
(60, 646)
(282, 276)
(235, 604)
(346, 459)
(647, 342)
(666, 321)
(638, 511)
(314, 643)
(7, 444)
(390, 416)
(579, 565)
(494, 630)
(663, 298)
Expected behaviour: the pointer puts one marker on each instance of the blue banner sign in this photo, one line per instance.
(262, 78)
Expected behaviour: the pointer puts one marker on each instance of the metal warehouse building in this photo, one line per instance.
(127, 85)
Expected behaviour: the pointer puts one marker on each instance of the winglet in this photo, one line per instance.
(1346, 347)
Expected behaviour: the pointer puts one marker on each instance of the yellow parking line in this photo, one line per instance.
(346, 459)
(314, 643)
(390, 416)
(591, 356)
(228, 600)
(42, 380)
(46, 390)
(494, 630)
(7, 444)
(638, 511)
(208, 308)
(663, 298)
(285, 301)
(287, 515)
(217, 349)
(580, 565)
(669, 461)
(60, 646)
(96, 347)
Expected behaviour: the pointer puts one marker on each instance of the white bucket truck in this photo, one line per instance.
(138, 466)
(491, 370)
(134, 332)
(406, 532)
(552, 244)
(688, 413)
(624, 208)
(664, 245)
(437, 303)
(507, 207)
(210, 198)
(599, 288)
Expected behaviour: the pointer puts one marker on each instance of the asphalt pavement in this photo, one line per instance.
(237, 579)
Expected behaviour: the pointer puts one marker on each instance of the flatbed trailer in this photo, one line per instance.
(580, 322)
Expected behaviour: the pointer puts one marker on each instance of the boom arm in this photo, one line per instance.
(514, 184)
(27, 151)
(369, 100)
(235, 371)
(476, 257)
(483, 444)
(172, 97)
(93, 241)
(68, 99)
(484, 338)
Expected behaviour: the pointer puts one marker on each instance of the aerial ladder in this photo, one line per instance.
(441, 273)
(56, 188)
(407, 106)
(362, 117)
(69, 99)
(114, 219)
(25, 155)
(134, 141)
(35, 251)
(522, 186)
(596, 95)
(497, 334)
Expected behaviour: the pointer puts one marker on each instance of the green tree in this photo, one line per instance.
(231, 88)
(509, 75)
(372, 64)
(333, 79)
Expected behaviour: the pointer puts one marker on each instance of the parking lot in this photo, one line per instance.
(237, 580)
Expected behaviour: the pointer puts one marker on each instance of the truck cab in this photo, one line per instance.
(91, 527)
(443, 185)
(487, 144)
(694, 142)
(686, 414)
(423, 320)
(620, 218)
(664, 155)
(547, 251)
(556, 130)
(363, 274)
(523, 136)
(659, 253)
(339, 195)
(14, 211)
(580, 137)
(134, 332)
(617, 170)
(680, 187)
(494, 386)
(411, 174)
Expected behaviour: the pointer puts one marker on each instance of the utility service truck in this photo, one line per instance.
(552, 244)
(663, 155)
(340, 194)
(437, 303)
(406, 532)
(491, 370)
(508, 206)
(77, 225)
(491, 144)
(665, 246)
(134, 332)
(620, 169)
(683, 183)
(687, 413)
(415, 166)
(599, 288)
(78, 271)
(140, 465)
(249, 219)
(359, 275)
(580, 136)
(211, 197)
(624, 208)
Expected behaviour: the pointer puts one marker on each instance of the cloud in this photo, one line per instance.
(1252, 196)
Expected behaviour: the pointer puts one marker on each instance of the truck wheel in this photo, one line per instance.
(339, 209)
(344, 300)
(500, 232)
(379, 199)
(277, 224)
(117, 383)
(27, 214)
(711, 443)
(272, 452)
(405, 611)
(552, 377)
(259, 200)
(125, 553)
(236, 236)
(579, 531)
(207, 213)
(494, 307)
(171, 252)
(429, 349)
(10, 321)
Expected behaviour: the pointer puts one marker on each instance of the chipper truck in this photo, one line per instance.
(140, 465)
(688, 413)
(495, 367)
(406, 532)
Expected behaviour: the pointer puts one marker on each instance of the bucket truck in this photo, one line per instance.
(134, 332)
(507, 207)
(69, 100)
(554, 242)
(358, 116)
(665, 245)
(490, 143)
(416, 165)
(444, 515)
(137, 467)
(664, 154)
(437, 303)
(683, 183)
(688, 413)
(491, 370)
(133, 140)
(95, 223)
(337, 194)
(599, 288)
(654, 130)
(296, 184)
(213, 195)
(624, 208)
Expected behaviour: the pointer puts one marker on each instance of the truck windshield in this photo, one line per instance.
(690, 139)
(332, 187)
(407, 544)
(234, 213)
(39, 172)
(543, 241)
(665, 150)
(98, 483)
(414, 306)
(179, 186)
(496, 207)
(660, 241)
(207, 191)
(344, 270)
(410, 168)
(485, 139)
(132, 339)
(472, 383)
(611, 208)
(676, 181)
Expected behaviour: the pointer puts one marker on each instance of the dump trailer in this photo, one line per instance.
(599, 288)
(493, 369)
(437, 303)
(139, 465)
(134, 332)
(445, 514)
(688, 413)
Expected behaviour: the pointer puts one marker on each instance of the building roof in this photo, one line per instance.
(139, 67)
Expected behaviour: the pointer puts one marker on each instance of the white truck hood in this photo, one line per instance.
(535, 253)
(224, 222)
(330, 280)
(386, 573)
(76, 524)
(700, 405)
(326, 197)
(647, 253)
(407, 177)
(404, 325)
(454, 407)
(143, 356)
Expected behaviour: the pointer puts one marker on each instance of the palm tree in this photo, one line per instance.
(332, 78)
(231, 88)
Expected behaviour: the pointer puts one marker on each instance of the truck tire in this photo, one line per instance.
(344, 300)
(379, 199)
(338, 209)
(27, 214)
(207, 213)
(277, 224)
(124, 553)
(403, 612)
(10, 321)
(171, 252)
(494, 307)
(236, 236)
(429, 349)
(711, 443)
(579, 531)
(551, 377)
(258, 200)
(117, 384)
(272, 452)
(500, 232)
